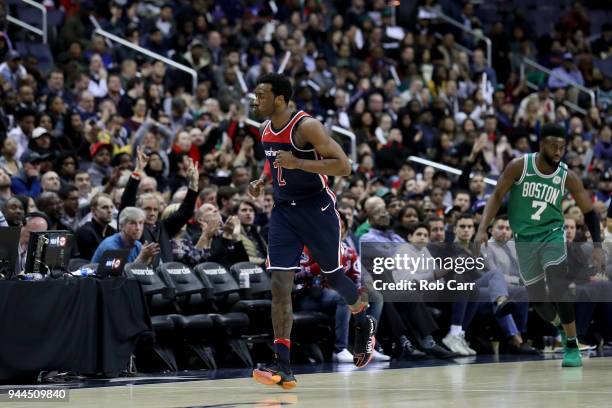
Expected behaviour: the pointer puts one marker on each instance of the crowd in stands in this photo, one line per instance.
(123, 151)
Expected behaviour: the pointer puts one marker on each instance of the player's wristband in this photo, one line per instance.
(136, 175)
(592, 222)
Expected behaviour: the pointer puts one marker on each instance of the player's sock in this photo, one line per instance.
(282, 349)
(342, 284)
(456, 330)
(562, 334)
(572, 342)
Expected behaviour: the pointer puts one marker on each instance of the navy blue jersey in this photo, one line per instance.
(291, 184)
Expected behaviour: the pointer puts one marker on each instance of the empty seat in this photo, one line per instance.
(195, 322)
(162, 323)
(30, 15)
(259, 282)
(230, 320)
(185, 282)
(40, 51)
(190, 293)
(156, 292)
(222, 284)
(153, 288)
(254, 300)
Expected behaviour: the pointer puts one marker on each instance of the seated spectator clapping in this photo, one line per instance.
(131, 227)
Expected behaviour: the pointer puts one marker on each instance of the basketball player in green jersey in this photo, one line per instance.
(537, 183)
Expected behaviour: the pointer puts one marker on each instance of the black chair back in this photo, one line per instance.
(150, 283)
(190, 290)
(183, 278)
(215, 275)
(159, 294)
(258, 283)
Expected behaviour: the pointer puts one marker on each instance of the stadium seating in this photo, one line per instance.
(163, 324)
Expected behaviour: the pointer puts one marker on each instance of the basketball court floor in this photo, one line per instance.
(486, 381)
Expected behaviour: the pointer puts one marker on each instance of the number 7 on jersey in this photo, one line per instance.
(541, 206)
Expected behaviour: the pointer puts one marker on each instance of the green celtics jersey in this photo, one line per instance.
(535, 199)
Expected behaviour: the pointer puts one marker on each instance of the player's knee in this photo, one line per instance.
(496, 277)
(559, 283)
(546, 310)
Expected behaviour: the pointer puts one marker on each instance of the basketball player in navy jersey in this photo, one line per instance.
(301, 156)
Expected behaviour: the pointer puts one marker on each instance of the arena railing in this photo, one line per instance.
(115, 39)
(445, 168)
(531, 64)
(42, 32)
(476, 34)
(284, 63)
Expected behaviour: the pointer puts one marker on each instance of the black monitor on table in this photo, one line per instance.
(112, 262)
(49, 251)
(9, 244)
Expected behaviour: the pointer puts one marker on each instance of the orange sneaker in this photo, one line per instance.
(276, 374)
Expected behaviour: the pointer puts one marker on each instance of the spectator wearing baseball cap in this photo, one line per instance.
(41, 142)
(101, 153)
(565, 74)
(27, 182)
(12, 70)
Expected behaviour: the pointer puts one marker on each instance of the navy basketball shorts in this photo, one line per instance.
(314, 223)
